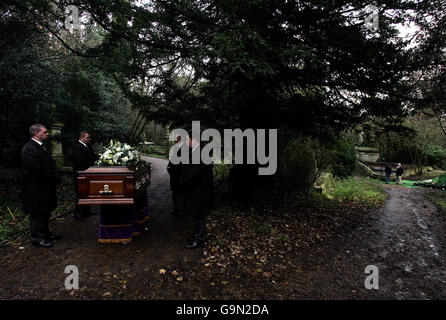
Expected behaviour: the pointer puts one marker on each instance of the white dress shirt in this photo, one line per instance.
(39, 142)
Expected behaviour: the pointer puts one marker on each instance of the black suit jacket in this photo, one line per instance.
(175, 175)
(39, 179)
(82, 157)
(197, 183)
(175, 171)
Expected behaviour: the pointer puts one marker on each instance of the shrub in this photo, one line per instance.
(436, 156)
(221, 178)
(297, 166)
(343, 159)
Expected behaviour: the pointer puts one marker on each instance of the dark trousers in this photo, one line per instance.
(81, 211)
(39, 226)
(178, 201)
(387, 177)
(199, 228)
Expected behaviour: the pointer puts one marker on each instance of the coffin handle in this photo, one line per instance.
(106, 190)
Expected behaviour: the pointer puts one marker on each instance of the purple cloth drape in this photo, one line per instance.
(120, 223)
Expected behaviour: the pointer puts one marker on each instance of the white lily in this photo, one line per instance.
(116, 157)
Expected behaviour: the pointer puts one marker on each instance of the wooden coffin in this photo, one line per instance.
(112, 185)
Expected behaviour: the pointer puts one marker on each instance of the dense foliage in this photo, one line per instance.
(343, 159)
(312, 68)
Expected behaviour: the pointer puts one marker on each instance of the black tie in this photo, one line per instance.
(43, 147)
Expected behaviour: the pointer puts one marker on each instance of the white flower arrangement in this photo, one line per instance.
(118, 154)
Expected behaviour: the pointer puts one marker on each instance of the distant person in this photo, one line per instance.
(388, 172)
(39, 179)
(399, 173)
(175, 171)
(197, 183)
(83, 156)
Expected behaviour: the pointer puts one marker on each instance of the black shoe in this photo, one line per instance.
(53, 236)
(42, 243)
(194, 244)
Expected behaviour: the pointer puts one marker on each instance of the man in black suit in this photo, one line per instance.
(197, 184)
(83, 157)
(175, 171)
(39, 179)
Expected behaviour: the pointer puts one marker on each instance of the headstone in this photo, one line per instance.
(367, 154)
(56, 150)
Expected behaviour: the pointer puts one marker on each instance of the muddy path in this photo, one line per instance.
(408, 243)
(405, 239)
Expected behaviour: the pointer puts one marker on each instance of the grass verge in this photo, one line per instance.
(14, 223)
(364, 192)
(438, 197)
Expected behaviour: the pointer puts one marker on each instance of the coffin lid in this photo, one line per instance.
(107, 170)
